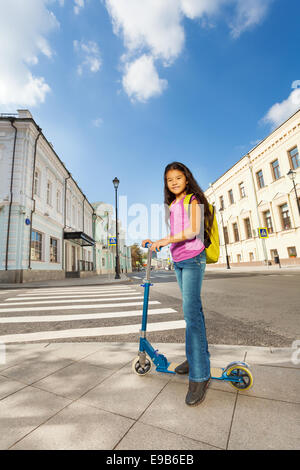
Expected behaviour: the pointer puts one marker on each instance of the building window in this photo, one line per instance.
(36, 246)
(292, 252)
(221, 202)
(242, 190)
(239, 258)
(103, 262)
(58, 201)
(268, 221)
(230, 195)
(53, 250)
(248, 230)
(236, 232)
(273, 253)
(260, 179)
(285, 217)
(276, 170)
(226, 238)
(251, 256)
(294, 158)
(49, 193)
(36, 184)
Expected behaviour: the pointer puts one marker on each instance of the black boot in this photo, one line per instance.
(182, 368)
(196, 392)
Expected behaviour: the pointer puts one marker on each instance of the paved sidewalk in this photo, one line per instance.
(86, 396)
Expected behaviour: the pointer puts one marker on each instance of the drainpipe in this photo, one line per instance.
(65, 220)
(12, 120)
(82, 249)
(257, 211)
(32, 196)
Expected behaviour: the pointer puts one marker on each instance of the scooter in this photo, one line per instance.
(238, 374)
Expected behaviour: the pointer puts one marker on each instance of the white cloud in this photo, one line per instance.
(198, 8)
(90, 54)
(141, 80)
(280, 112)
(97, 122)
(249, 13)
(79, 4)
(296, 84)
(155, 28)
(24, 27)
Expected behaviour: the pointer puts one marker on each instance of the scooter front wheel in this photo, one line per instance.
(141, 370)
(242, 377)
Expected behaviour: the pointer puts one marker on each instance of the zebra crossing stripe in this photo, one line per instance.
(90, 332)
(74, 307)
(124, 294)
(83, 316)
(78, 289)
(64, 301)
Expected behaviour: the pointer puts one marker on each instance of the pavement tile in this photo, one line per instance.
(8, 386)
(74, 351)
(24, 411)
(112, 355)
(77, 427)
(144, 437)
(16, 354)
(261, 424)
(35, 368)
(277, 383)
(74, 380)
(209, 422)
(125, 392)
(281, 357)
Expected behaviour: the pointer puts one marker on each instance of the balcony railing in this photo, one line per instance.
(85, 265)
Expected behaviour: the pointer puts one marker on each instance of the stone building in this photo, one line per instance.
(46, 222)
(262, 190)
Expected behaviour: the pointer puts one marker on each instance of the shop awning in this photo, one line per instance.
(80, 238)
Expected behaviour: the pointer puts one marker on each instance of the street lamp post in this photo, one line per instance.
(227, 257)
(116, 184)
(292, 175)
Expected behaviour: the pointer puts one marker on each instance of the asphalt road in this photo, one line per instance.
(251, 308)
(258, 309)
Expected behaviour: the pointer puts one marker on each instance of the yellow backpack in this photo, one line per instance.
(212, 242)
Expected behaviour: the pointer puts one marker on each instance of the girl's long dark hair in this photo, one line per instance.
(192, 187)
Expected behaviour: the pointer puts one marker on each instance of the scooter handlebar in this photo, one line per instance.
(147, 245)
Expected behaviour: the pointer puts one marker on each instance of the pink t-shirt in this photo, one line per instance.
(179, 220)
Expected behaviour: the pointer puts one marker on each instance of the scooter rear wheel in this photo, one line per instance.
(243, 374)
(141, 370)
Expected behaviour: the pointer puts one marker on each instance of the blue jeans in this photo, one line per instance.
(190, 273)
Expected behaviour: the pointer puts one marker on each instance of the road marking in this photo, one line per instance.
(59, 301)
(71, 294)
(90, 332)
(75, 307)
(124, 294)
(84, 316)
(65, 291)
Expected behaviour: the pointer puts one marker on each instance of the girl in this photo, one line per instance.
(189, 257)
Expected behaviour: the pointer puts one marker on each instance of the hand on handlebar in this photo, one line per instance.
(144, 242)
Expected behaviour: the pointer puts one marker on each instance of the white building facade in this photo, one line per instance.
(257, 192)
(46, 222)
(105, 253)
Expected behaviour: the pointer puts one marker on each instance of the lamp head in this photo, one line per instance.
(116, 182)
(292, 174)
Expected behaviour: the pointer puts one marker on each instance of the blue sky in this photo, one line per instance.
(122, 88)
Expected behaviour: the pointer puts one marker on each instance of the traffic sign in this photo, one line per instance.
(112, 241)
(263, 232)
